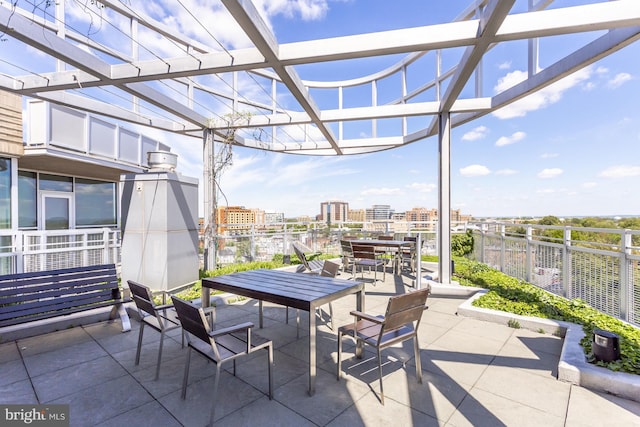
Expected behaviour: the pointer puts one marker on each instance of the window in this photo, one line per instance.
(95, 203)
(5, 193)
(56, 183)
(27, 200)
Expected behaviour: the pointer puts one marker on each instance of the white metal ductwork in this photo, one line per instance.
(162, 161)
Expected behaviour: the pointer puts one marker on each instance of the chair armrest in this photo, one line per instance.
(361, 315)
(163, 307)
(231, 329)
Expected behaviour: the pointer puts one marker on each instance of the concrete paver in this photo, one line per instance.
(474, 373)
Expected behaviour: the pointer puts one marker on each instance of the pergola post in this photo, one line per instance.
(444, 197)
(209, 192)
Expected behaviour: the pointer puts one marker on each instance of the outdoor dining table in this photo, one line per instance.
(397, 245)
(296, 290)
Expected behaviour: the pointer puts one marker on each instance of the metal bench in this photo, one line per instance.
(25, 297)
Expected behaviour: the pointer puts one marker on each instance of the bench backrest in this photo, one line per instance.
(38, 295)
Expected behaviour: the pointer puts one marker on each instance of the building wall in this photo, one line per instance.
(379, 212)
(11, 124)
(357, 215)
(334, 211)
(235, 218)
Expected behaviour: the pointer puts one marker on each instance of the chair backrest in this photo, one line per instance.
(346, 248)
(385, 237)
(302, 257)
(143, 297)
(412, 247)
(193, 319)
(404, 309)
(363, 251)
(329, 269)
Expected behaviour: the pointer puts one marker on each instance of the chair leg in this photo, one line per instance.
(380, 373)
(159, 355)
(185, 379)
(416, 346)
(139, 342)
(339, 371)
(298, 323)
(270, 360)
(214, 394)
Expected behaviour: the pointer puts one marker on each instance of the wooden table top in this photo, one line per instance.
(378, 242)
(297, 290)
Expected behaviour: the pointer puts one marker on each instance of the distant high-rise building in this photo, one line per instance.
(334, 211)
(273, 217)
(357, 215)
(379, 212)
(237, 218)
(429, 215)
(421, 215)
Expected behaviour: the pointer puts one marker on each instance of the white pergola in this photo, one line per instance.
(209, 91)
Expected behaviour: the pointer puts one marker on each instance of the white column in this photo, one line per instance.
(209, 193)
(444, 197)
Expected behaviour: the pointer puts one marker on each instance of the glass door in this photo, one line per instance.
(57, 212)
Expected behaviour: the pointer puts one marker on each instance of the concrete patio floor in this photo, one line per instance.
(474, 373)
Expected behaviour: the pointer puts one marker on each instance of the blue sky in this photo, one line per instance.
(571, 150)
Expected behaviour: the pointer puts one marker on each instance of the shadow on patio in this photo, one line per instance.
(474, 373)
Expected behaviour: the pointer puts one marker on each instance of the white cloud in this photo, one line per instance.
(507, 140)
(475, 133)
(602, 70)
(474, 170)
(540, 99)
(506, 65)
(383, 191)
(548, 155)
(308, 10)
(545, 191)
(589, 184)
(422, 187)
(550, 173)
(618, 80)
(506, 172)
(620, 171)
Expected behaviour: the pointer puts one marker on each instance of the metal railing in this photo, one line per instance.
(259, 242)
(605, 274)
(26, 251)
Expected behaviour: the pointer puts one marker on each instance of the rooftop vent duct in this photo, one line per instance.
(162, 161)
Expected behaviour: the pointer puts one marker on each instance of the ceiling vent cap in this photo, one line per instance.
(162, 161)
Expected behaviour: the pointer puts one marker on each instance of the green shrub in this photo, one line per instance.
(461, 244)
(519, 297)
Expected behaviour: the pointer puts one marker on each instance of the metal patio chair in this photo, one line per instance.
(218, 346)
(329, 269)
(314, 266)
(408, 254)
(367, 256)
(162, 318)
(400, 323)
(347, 255)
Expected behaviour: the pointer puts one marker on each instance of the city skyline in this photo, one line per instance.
(570, 149)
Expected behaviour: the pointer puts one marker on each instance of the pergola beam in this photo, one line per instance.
(543, 23)
(251, 22)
